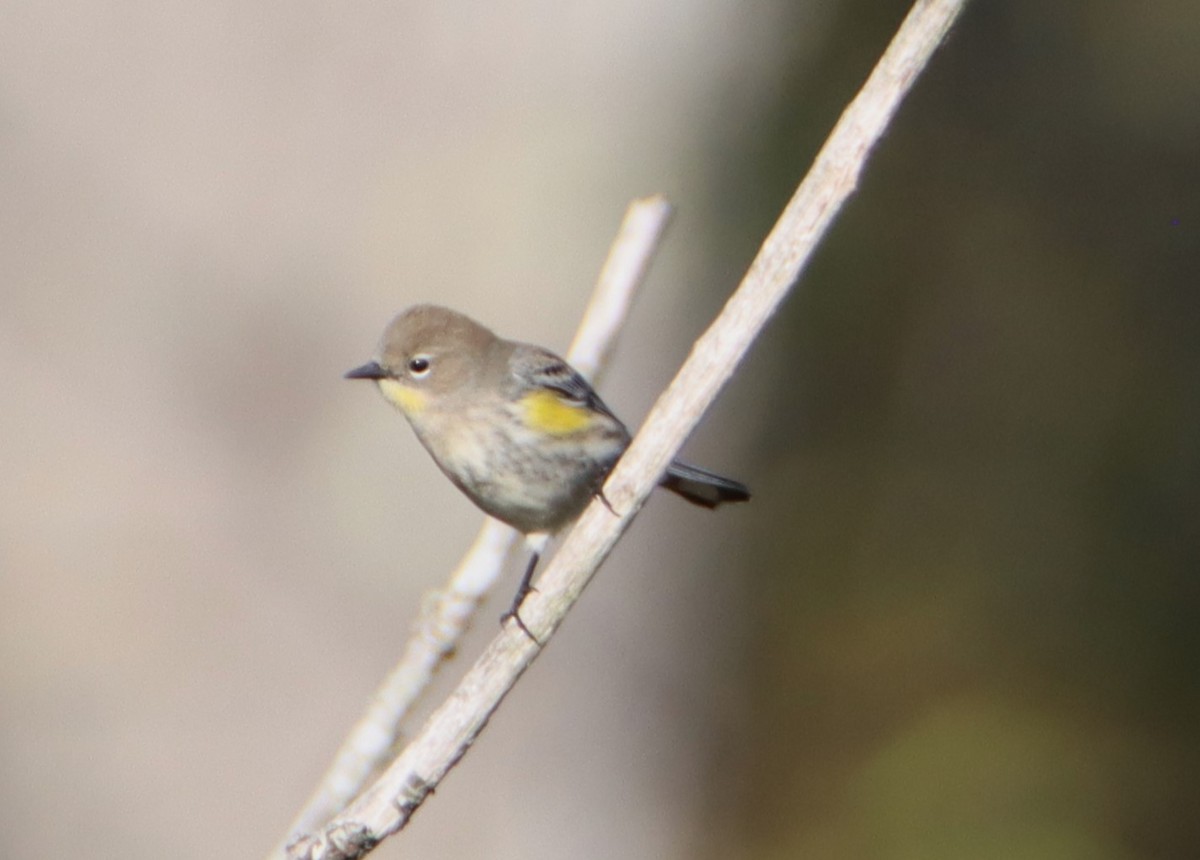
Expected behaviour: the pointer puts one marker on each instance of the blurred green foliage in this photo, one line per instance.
(976, 555)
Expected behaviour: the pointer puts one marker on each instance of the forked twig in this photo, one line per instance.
(446, 613)
(387, 806)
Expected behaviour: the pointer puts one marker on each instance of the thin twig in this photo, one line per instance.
(446, 614)
(448, 733)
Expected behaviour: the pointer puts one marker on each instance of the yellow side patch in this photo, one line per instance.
(407, 400)
(546, 412)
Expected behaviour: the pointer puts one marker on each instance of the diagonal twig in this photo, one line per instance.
(446, 613)
(388, 804)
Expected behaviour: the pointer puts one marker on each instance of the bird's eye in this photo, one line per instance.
(418, 365)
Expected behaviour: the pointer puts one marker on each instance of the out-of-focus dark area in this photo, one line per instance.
(980, 610)
(959, 618)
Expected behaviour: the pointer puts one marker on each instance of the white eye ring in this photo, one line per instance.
(419, 366)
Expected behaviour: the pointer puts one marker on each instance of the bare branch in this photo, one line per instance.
(446, 614)
(445, 737)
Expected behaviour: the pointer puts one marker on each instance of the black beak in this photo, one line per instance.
(370, 370)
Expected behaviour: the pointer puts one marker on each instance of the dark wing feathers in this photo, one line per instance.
(560, 377)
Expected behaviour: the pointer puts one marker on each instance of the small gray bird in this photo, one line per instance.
(515, 427)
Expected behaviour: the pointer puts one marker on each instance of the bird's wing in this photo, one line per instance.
(549, 371)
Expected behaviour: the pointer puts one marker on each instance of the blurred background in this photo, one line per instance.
(959, 618)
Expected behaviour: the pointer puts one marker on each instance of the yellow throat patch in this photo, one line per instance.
(407, 400)
(547, 412)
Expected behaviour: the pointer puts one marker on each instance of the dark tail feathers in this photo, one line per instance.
(701, 487)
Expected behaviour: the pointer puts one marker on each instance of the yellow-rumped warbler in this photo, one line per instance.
(514, 426)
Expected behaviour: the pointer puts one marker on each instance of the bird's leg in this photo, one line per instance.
(523, 590)
(599, 494)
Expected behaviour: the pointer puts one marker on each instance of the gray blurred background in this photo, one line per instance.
(959, 618)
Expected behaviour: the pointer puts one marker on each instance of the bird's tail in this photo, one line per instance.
(701, 487)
